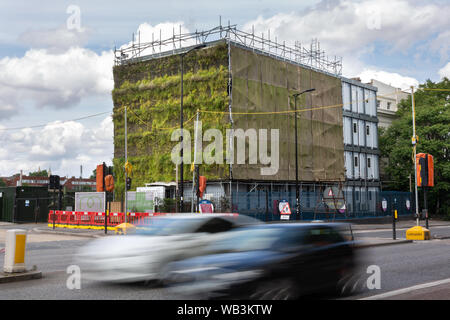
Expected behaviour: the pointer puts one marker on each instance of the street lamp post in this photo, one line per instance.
(181, 188)
(297, 192)
(414, 142)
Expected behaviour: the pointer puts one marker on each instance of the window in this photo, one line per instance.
(368, 162)
(356, 161)
(378, 104)
(368, 129)
(388, 106)
(355, 127)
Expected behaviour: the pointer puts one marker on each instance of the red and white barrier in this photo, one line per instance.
(96, 220)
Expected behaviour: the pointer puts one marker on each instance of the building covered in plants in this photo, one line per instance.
(240, 81)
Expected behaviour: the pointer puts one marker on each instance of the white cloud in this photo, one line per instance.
(55, 40)
(49, 79)
(391, 78)
(61, 146)
(162, 31)
(445, 71)
(350, 29)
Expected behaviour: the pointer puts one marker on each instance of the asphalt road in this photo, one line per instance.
(401, 266)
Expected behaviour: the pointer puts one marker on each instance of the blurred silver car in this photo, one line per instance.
(143, 256)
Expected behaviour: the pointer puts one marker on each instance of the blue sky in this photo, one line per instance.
(49, 73)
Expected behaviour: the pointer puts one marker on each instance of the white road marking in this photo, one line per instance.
(406, 290)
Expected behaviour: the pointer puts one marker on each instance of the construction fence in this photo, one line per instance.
(314, 205)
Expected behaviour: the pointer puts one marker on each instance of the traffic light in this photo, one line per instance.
(202, 186)
(128, 183)
(100, 178)
(54, 182)
(425, 170)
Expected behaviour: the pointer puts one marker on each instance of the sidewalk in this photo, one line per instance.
(398, 225)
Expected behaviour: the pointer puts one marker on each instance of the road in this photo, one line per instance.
(401, 266)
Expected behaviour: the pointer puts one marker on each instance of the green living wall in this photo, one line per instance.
(151, 92)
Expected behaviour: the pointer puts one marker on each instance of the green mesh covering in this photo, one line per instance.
(265, 84)
(151, 91)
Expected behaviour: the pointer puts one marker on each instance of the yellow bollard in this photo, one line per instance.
(15, 251)
(125, 228)
(418, 233)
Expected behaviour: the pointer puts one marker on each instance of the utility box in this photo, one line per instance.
(15, 244)
(418, 233)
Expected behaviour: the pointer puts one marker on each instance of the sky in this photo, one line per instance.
(56, 60)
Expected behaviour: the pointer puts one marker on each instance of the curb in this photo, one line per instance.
(37, 230)
(6, 278)
(387, 243)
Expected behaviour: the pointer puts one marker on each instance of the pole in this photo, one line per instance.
(60, 197)
(414, 147)
(182, 142)
(197, 172)
(297, 192)
(194, 172)
(54, 206)
(297, 209)
(425, 205)
(126, 159)
(181, 187)
(394, 218)
(177, 191)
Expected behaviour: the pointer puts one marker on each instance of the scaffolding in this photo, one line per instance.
(313, 57)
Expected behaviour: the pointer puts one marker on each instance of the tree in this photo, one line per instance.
(94, 174)
(39, 173)
(433, 129)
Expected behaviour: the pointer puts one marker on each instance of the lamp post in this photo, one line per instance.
(414, 143)
(297, 192)
(181, 188)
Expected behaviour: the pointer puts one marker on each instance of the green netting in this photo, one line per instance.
(265, 84)
(151, 91)
(140, 202)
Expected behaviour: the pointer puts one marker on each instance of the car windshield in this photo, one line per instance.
(247, 239)
(169, 226)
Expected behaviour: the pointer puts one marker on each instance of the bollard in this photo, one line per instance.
(15, 251)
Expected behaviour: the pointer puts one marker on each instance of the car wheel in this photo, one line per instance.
(284, 289)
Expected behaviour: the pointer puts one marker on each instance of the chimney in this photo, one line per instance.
(20, 179)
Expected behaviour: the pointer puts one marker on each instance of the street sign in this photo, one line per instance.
(128, 168)
(284, 208)
(334, 199)
(206, 206)
(384, 204)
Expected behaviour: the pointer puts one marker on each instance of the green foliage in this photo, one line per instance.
(151, 92)
(41, 173)
(433, 129)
